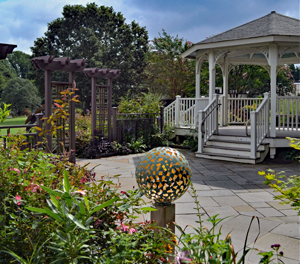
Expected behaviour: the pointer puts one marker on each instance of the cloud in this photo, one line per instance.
(22, 21)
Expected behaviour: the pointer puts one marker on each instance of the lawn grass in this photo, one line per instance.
(13, 122)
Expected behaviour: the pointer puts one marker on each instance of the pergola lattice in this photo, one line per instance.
(101, 100)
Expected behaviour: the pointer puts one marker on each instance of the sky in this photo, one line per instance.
(23, 21)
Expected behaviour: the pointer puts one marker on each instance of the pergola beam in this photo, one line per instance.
(6, 49)
(58, 64)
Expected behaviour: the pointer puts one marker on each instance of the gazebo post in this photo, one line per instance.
(225, 92)
(273, 62)
(198, 78)
(212, 74)
(48, 108)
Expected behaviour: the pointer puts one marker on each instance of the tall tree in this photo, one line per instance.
(255, 80)
(20, 61)
(168, 73)
(7, 72)
(101, 36)
(21, 94)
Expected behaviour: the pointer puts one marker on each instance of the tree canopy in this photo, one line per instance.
(167, 72)
(7, 72)
(101, 36)
(20, 61)
(21, 94)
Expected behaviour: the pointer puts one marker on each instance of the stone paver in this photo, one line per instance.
(229, 200)
(232, 190)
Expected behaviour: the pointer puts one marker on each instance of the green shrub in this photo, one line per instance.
(43, 214)
(287, 186)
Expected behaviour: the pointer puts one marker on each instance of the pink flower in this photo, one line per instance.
(122, 192)
(17, 170)
(132, 230)
(82, 192)
(18, 198)
(125, 228)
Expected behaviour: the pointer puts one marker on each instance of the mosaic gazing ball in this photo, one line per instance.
(163, 175)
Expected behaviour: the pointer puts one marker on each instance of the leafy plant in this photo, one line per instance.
(138, 243)
(267, 256)
(205, 245)
(137, 146)
(287, 186)
(73, 217)
(4, 112)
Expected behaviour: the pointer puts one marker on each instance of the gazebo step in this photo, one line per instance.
(232, 151)
(238, 144)
(224, 157)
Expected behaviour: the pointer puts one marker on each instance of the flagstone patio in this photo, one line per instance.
(231, 190)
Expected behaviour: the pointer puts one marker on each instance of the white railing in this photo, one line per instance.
(288, 113)
(183, 112)
(208, 122)
(187, 112)
(239, 109)
(169, 114)
(260, 119)
(189, 108)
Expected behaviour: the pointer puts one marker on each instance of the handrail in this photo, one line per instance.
(209, 119)
(248, 122)
(260, 125)
(202, 123)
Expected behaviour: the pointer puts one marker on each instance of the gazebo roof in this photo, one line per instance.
(272, 24)
(248, 43)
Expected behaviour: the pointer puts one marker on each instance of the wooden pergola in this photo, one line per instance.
(49, 64)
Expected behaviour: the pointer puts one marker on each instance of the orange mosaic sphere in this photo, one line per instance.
(163, 175)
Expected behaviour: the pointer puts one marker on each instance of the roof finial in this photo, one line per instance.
(273, 12)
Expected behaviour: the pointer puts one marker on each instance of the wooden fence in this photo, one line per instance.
(32, 138)
(137, 125)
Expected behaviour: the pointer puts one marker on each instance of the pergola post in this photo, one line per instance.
(48, 108)
(72, 143)
(273, 62)
(212, 74)
(93, 110)
(109, 109)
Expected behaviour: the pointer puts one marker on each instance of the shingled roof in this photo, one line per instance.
(272, 24)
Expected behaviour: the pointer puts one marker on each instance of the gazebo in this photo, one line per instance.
(271, 42)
